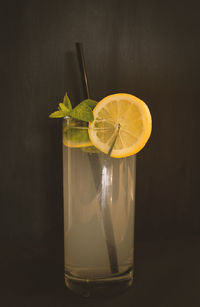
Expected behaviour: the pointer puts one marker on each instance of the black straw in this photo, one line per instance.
(95, 164)
(79, 48)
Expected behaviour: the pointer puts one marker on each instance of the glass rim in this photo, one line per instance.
(78, 127)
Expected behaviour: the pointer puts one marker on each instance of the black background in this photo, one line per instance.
(146, 48)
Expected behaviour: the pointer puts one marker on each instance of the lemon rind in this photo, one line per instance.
(76, 145)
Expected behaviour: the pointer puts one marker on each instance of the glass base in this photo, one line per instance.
(103, 287)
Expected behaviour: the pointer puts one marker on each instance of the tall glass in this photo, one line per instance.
(99, 203)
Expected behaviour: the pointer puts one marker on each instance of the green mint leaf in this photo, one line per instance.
(57, 114)
(82, 112)
(90, 102)
(67, 102)
(63, 108)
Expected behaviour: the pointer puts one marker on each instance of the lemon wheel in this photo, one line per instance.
(122, 117)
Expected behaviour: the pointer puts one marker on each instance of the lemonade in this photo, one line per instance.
(100, 141)
(88, 186)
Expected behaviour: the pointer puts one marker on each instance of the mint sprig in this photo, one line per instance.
(83, 111)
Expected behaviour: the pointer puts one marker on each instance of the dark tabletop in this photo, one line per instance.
(166, 274)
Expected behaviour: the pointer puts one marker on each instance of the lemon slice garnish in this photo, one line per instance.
(127, 112)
